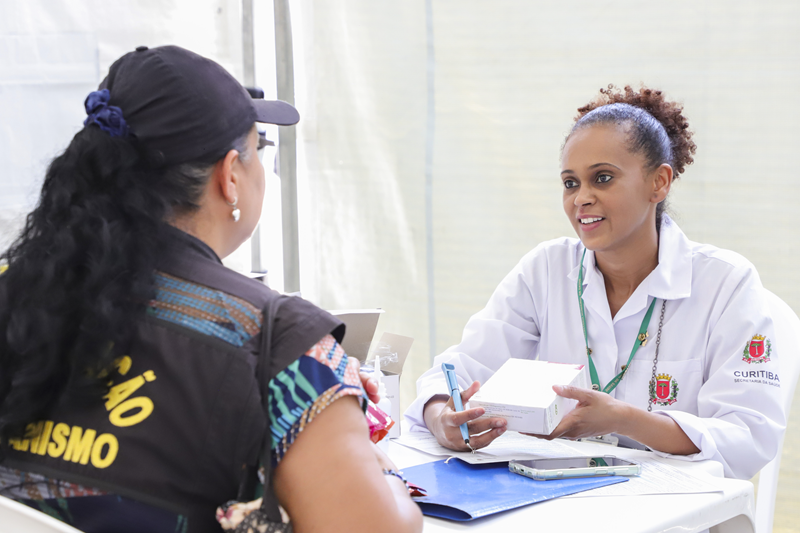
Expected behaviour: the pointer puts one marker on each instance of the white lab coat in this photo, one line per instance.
(728, 404)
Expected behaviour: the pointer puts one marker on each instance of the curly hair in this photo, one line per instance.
(658, 129)
(80, 275)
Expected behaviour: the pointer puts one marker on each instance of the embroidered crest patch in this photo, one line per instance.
(757, 350)
(664, 391)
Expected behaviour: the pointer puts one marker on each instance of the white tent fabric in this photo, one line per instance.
(53, 53)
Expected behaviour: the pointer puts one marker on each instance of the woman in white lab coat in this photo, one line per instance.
(705, 384)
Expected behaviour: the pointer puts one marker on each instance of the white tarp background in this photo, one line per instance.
(53, 53)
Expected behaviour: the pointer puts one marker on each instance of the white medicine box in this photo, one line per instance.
(521, 392)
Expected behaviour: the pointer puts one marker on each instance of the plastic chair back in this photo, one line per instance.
(16, 517)
(787, 336)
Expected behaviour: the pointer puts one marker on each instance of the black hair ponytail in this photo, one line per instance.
(79, 274)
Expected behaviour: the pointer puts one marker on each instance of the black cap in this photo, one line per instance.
(183, 107)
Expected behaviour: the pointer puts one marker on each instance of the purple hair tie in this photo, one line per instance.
(108, 117)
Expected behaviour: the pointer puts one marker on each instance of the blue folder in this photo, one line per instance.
(460, 491)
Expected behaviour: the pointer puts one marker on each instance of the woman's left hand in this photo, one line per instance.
(597, 413)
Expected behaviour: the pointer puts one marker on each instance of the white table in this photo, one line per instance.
(723, 512)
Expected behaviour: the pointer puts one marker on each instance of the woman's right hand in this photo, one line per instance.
(444, 422)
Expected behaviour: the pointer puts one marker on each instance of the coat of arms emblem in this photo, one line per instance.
(664, 391)
(757, 350)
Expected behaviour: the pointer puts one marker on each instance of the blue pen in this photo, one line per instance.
(452, 384)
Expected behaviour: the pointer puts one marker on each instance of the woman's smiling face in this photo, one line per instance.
(609, 195)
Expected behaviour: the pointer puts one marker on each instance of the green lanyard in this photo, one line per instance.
(641, 338)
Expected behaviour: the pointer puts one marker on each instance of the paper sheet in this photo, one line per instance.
(657, 478)
(511, 445)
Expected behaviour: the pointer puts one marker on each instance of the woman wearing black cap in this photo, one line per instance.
(140, 379)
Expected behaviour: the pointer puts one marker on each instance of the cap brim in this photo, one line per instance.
(275, 112)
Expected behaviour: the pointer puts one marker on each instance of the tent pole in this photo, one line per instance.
(287, 144)
(249, 78)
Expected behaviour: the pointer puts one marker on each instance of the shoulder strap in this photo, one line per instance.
(316, 323)
(264, 373)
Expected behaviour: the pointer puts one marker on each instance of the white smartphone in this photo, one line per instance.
(569, 467)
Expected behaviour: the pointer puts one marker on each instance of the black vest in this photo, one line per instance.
(189, 419)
